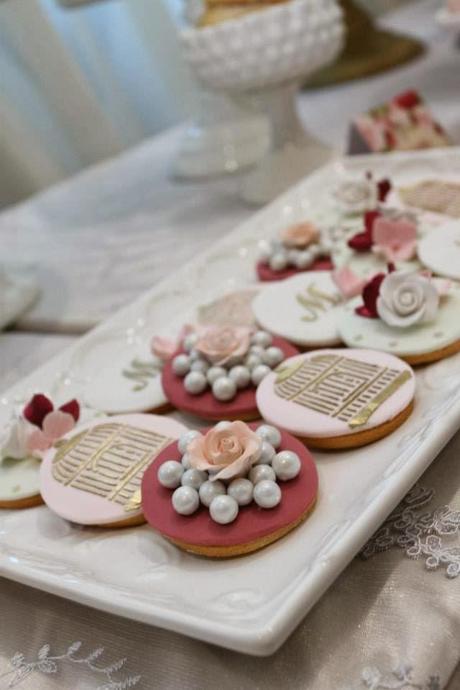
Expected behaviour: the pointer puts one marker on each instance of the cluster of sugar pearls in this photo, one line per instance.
(225, 381)
(193, 487)
(279, 257)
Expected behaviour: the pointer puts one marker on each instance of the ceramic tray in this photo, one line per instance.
(249, 604)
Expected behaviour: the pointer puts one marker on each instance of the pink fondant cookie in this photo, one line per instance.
(215, 373)
(229, 490)
(300, 247)
(338, 398)
(93, 476)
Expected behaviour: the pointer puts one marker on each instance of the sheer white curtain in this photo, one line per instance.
(81, 84)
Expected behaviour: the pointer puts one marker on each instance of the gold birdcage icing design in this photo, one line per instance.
(349, 389)
(108, 460)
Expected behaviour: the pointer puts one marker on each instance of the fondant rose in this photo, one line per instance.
(230, 450)
(220, 345)
(406, 299)
(299, 235)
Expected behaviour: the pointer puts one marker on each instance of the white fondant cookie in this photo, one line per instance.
(338, 398)
(440, 250)
(93, 476)
(118, 372)
(303, 309)
(418, 343)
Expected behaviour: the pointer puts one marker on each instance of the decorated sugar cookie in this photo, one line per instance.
(408, 314)
(93, 475)
(217, 369)
(436, 196)
(229, 490)
(300, 247)
(302, 309)
(120, 371)
(233, 309)
(358, 195)
(336, 399)
(440, 251)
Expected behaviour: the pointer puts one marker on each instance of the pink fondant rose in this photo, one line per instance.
(230, 450)
(220, 345)
(300, 235)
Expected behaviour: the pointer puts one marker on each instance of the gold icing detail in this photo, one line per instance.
(284, 371)
(316, 301)
(341, 387)
(140, 371)
(108, 460)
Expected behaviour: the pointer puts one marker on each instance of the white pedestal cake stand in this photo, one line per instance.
(260, 60)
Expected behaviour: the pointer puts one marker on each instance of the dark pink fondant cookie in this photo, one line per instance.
(215, 373)
(231, 489)
(267, 274)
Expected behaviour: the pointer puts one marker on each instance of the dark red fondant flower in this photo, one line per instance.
(407, 99)
(363, 241)
(370, 295)
(40, 406)
(383, 189)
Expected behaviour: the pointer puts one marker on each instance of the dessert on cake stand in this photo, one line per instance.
(260, 60)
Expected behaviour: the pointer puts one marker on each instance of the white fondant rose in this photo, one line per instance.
(406, 299)
(230, 451)
(356, 196)
(14, 439)
(220, 345)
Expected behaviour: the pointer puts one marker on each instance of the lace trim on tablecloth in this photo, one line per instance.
(420, 534)
(45, 663)
(401, 678)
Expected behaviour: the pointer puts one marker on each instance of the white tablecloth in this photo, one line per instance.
(95, 242)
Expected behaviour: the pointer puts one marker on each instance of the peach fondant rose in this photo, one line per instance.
(220, 345)
(300, 235)
(230, 450)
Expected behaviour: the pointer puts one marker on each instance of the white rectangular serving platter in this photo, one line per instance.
(249, 604)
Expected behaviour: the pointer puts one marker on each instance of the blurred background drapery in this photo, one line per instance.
(79, 85)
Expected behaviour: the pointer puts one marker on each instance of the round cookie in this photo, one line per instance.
(119, 373)
(93, 475)
(337, 399)
(204, 404)
(439, 250)
(253, 528)
(419, 344)
(303, 309)
(267, 274)
(19, 483)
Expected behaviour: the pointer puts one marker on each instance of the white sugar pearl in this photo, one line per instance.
(224, 424)
(326, 245)
(195, 382)
(259, 373)
(241, 490)
(186, 461)
(257, 350)
(262, 338)
(224, 389)
(223, 509)
(181, 365)
(265, 252)
(292, 255)
(209, 491)
(270, 434)
(286, 465)
(189, 341)
(185, 500)
(187, 438)
(267, 494)
(315, 250)
(200, 365)
(252, 361)
(304, 259)
(194, 478)
(215, 373)
(267, 453)
(260, 473)
(278, 261)
(194, 355)
(273, 356)
(170, 474)
(240, 375)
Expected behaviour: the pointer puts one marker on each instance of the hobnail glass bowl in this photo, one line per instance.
(260, 59)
